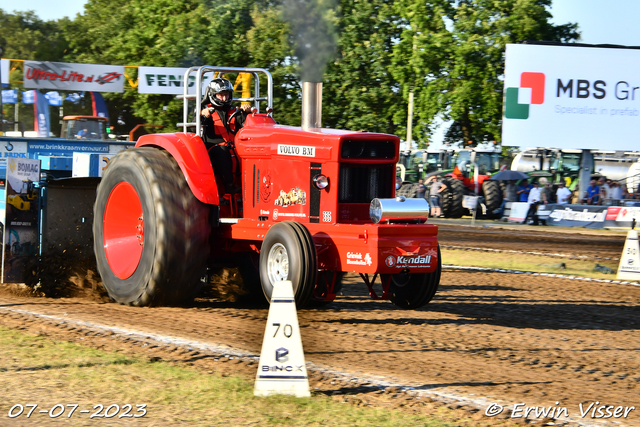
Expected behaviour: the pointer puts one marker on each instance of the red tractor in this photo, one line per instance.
(314, 203)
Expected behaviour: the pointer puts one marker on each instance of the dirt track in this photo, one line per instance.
(499, 337)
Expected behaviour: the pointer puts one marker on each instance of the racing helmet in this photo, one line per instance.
(217, 86)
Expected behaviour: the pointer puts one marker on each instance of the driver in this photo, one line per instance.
(221, 121)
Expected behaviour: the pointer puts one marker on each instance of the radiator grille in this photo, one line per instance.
(360, 183)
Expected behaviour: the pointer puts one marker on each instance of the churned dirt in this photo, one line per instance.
(486, 337)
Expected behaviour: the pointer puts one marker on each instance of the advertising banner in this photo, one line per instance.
(166, 80)
(571, 97)
(42, 122)
(623, 216)
(99, 105)
(577, 216)
(4, 70)
(69, 76)
(21, 223)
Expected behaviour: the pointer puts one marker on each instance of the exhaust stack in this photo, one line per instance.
(311, 105)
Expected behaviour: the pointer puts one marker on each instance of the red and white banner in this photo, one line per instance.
(69, 76)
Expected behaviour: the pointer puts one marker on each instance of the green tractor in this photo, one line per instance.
(414, 165)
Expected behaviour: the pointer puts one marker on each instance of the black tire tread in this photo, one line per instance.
(452, 198)
(420, 291)
(492, 196)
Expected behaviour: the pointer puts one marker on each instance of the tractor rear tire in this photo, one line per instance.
(452, 198)
(288, 253)
(492, 196)
(408, 190)
(151, 235)
(414, 290)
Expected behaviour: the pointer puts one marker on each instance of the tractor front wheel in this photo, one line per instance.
(150, 232)
(288, 253)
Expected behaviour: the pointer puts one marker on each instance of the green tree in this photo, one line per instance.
(25, 36)
(268, 46)
(359, 91)
(451, 55)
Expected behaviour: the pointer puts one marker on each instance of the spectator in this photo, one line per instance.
(616, 191)
(421, 189)
(625, 192)
(563, 194)
(592, 195)
(523, 191)
(510, 195)
(398, 182)
(434, 197)
(534, 200)
(546, 191)
(605, 191)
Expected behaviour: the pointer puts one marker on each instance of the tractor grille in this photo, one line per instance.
(360, 183)
(363, 149)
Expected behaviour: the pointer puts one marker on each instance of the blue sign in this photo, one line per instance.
(54, 98)
(28, 97)
(10, 96)
(74, 97)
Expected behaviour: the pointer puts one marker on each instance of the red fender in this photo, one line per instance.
(193, 159)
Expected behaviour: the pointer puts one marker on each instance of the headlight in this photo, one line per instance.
(321, 181)
(375, 211)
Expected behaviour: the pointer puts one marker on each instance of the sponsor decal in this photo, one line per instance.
(265, 186)
(296, 150)
(292, 214)
(282, 355)
(264, 212)
(402, 261)
(294, 197)
(356, 258)
(275, 214)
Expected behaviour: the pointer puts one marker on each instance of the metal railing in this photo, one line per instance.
(197, 96)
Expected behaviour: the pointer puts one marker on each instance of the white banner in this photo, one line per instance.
(571, 97)
(69, 76)
(4, 70)
(166, 80)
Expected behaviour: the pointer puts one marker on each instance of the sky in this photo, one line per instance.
(599, 21)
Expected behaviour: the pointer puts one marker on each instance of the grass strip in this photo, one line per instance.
(524, 262)
(38, 370)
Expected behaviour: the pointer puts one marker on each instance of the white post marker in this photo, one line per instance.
(282, 369)
(629, 268)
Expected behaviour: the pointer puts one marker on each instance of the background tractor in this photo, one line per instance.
(421, 164)
(470, 176)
